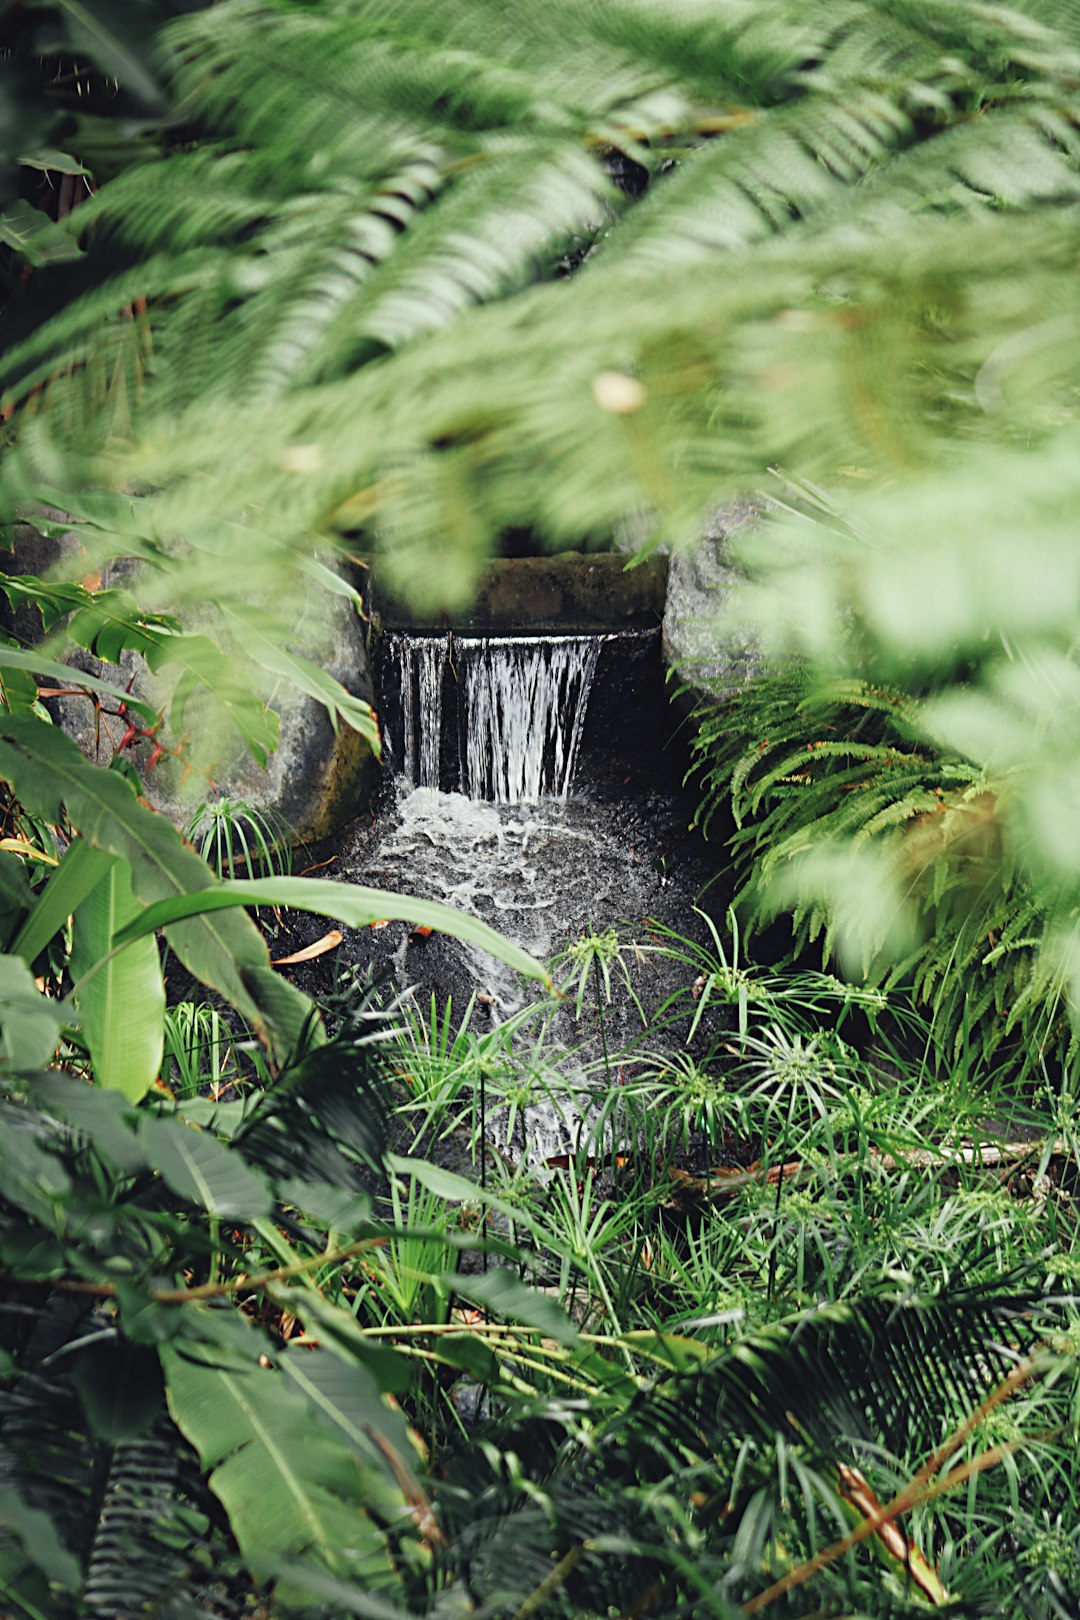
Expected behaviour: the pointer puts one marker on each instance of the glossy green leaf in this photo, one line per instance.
(29, 1022)
(505, 1294)
(19, 691)
(457, 1189)
(104, 1117)
(346, 1395)
(81, 868)
(67, 676)
(122, 1005)
(338, 1330)
(32, 1179)
(49, 774)
(33, 234)
(349, 903)
(51, 161)
(289, 1487)
(672, 1350)
(203, 1170)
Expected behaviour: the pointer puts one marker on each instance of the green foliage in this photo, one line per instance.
(854, 260)
(136, 1319)
(902, 778)
(199, 1055)
(122, 1004)
(228, 831)
(129, 872)
(311, 262)
(175, 1450)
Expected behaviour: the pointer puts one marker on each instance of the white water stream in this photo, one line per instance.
(521, 709)
(516, 847)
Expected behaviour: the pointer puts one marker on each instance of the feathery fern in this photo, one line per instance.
(772, 293)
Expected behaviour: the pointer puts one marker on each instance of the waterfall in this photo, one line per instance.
(485, 734)
(521, 706)
(524, 709)
(420, 664)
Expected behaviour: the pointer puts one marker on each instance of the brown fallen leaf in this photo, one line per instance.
(328, 942)
(855, 1490)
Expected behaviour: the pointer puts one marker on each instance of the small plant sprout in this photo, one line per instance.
(239, 839)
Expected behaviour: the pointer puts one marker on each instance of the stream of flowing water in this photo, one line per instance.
(493, 809)
(520, 713)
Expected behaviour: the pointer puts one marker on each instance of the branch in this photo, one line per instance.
(187, 1296)
(984, 1155)
(918, 1490)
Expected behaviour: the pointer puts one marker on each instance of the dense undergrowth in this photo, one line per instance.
(315, 1333)
(291, 1322)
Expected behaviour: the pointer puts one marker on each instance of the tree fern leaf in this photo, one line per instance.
(130, 1562)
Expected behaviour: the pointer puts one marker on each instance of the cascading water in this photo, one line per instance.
(521, 709)
(421, 662)
(490, 813)
(524, 708)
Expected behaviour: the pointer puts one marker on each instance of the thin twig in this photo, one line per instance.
(918, 1490)
(261, 1279)
(984, 1156)
(550, 1583)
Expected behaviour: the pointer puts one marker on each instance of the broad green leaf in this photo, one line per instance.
(40, 1539)
(18, 691)
(65, 675)
(53, 599)
(29, 1022)
(147, 1320)
(223, 1118)
(33, 234)
(344, 1393)
(468, 1353)
(119, 1384)
(349, 903)
(458, 1189)
(102, 509)
(261, 640)
(110, 622)
(106, 1118)
(339, 1209)
(16, 897)
(122, 1004)
(47, 772)
(81, 868)
(500, 1291)
(203, 1170)
(48, 159)
(32, 1178)
(290, 1488)
(204, 665)
(338, 1330)
(672, 1350)
(307, 1585)
(329, 580)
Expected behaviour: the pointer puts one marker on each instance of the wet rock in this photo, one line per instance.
(567, 593)
(317, 780)
(711, 656)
